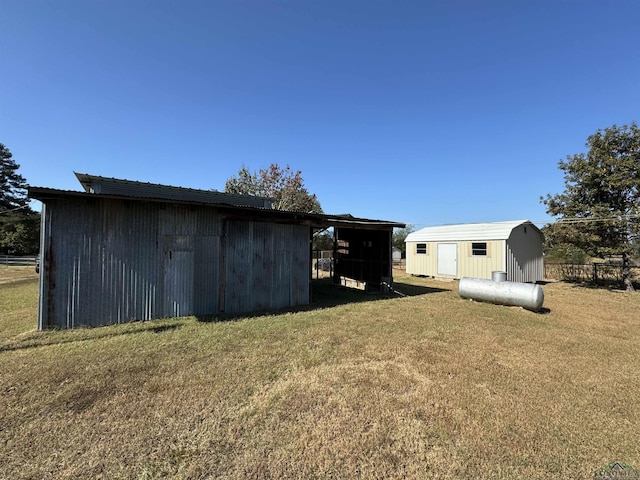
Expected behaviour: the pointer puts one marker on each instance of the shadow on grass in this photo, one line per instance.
(48, 338)
(326, 294)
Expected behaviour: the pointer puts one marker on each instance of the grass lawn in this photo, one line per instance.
(360, 386)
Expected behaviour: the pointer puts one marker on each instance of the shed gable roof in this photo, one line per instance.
(467, 232)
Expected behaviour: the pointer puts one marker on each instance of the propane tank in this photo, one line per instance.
(526, 295)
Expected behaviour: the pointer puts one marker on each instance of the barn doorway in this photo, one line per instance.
(178, 275)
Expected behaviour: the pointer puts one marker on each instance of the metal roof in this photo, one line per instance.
(96, 184)
(349, 221)
(468, 231)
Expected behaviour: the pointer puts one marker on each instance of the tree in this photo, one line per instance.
(599, 210)
(399, 236)
(323, 240)
(19, 225)
(285, 186)
(13, 186)
(20, 232)
(560, 252)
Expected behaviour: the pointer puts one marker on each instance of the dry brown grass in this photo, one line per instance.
(423, 386)
(11, 274)
(18, 300)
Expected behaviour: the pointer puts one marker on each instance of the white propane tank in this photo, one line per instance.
(526, 295)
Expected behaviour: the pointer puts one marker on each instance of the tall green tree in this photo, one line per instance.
(283, 185)
(19, 225)
(599, 210)
(13, 186)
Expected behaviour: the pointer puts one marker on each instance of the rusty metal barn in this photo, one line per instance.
(122, 250)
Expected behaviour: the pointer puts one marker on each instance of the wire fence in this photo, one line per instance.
(322, 263)
(595, 273)
(14, 261)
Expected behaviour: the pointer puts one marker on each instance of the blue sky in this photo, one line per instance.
(422, 112)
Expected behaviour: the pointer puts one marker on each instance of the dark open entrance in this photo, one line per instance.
(363, 258)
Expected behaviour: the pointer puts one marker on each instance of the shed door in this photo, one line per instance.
(447, 259)
(178, 275)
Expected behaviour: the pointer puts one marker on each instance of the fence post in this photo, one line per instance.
(316, 266)
(595, 273)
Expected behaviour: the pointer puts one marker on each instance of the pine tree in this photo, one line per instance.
(19, 225)
(13, 186)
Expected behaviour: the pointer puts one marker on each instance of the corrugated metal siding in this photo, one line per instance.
(103, 263)
(467, 265)
(113, 261)
(267, 266)
(45, 267)
(524, 258)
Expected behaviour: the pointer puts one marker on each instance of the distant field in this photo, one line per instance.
(360, 386)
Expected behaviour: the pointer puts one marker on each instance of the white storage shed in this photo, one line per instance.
(476, 250)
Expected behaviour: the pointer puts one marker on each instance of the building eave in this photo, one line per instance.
(315, 220)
